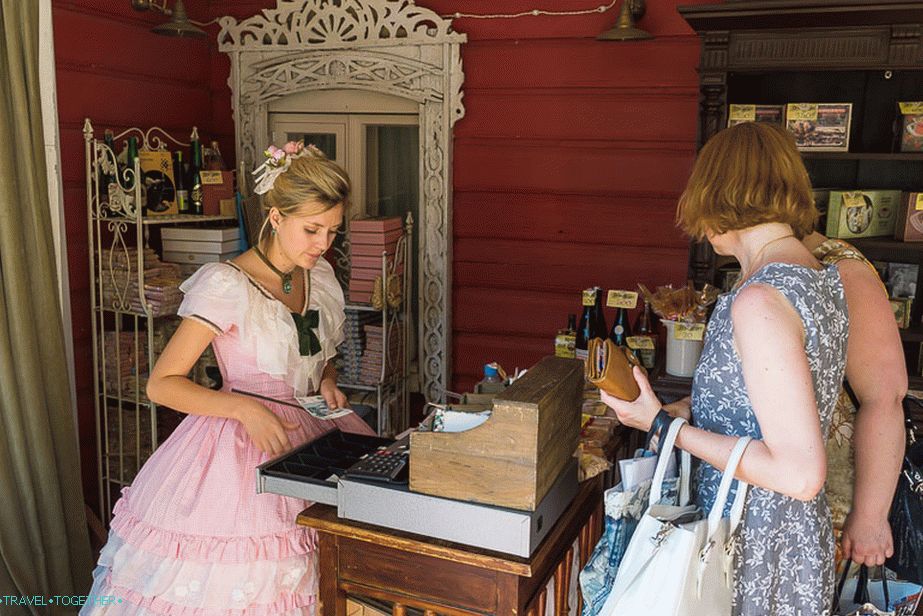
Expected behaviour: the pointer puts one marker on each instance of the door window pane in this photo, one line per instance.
(325, 142)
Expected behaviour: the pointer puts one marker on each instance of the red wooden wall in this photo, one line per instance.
(113, 70)
(568, 162)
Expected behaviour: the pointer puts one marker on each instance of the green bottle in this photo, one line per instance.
(195, 175)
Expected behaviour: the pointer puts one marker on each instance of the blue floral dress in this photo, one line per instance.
(785, 555)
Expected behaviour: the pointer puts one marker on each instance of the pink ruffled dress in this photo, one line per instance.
(190, 536)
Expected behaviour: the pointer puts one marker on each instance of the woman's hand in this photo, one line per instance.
(640, 413)
(335, 398)
(266, 430)
(867, 541)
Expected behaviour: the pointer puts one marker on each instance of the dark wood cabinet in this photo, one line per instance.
(869, 54)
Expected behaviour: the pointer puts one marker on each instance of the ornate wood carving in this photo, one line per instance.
(389, 46)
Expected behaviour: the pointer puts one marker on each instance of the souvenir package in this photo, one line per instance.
(159, 187)
(910, 218)
(772, 114)
(819, 127)
(911, 126)
(862, 213)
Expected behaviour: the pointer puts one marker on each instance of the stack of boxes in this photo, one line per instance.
(195, 246)
(368, 238)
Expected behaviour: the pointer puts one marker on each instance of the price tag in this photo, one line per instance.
(742, 113)
(689, 331)
(911, 108)
(918, 202)
(622, 299)
(589, 296)
(211, 178)
(801, 111)
(853, 199)
(640, 342)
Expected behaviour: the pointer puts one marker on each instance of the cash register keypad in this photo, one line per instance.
(382, 465)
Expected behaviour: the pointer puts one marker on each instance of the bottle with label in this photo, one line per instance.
(620, 327)
(564, 342)
(592, 321)
(182, 194)
(492, 383)
(195, 175)
(645, 338)
(213, 159)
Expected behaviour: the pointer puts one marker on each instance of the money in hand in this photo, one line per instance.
(317, 407)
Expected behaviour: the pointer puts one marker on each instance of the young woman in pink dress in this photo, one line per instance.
(191, 536)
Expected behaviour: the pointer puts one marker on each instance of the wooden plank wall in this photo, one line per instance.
(568, 164)
(112, 69)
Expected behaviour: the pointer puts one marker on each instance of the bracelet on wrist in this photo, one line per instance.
(659, 427)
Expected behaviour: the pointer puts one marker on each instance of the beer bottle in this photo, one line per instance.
(592, 321)
(179, 179)
(644, 328)
(566, 339)
(195, 176)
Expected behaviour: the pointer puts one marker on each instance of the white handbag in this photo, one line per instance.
(678, 563)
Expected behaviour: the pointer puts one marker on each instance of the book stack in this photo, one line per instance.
(368, 239)
(120, 281)
(122, 375)
(373, 357)
(354, 344)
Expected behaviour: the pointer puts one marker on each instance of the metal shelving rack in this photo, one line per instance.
(126, 421)
(392, 395)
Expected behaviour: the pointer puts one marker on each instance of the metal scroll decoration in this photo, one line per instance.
(389, 46)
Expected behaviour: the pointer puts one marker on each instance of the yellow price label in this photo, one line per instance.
(853, 199)
(622, 299)
(801, 111)
(742, 113)
(689, 331)
(911, 108)
(210, 178)
(918, 201)
(640, 342)
(589, 297)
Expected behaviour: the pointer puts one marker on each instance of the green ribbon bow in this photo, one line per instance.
(308, 342)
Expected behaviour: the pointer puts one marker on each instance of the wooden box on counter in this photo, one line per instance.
(513, 458)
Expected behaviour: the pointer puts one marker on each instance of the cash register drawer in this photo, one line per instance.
(311, 471)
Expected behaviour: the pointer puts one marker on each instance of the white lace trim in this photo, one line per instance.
(226, 296)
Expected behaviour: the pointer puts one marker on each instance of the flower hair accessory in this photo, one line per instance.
(278, 161)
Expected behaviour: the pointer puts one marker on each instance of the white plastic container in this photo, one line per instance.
(682, 355)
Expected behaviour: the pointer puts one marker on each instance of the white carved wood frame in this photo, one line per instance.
(389, 46)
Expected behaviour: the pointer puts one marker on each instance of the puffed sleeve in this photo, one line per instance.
(327, 298)
(215, 297)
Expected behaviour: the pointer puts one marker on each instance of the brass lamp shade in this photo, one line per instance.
(625, 29)
(179, 24)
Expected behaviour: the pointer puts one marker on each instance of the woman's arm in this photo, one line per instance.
(790, 458)
(170, 386)
(876, 372)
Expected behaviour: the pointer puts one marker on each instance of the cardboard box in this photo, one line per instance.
(197, 257)
(216, 186)
(909, 226)
(911, 126)
(819, 127)
(212, 247)
(199, 234)
(901, 307)
(862, 213)
(513, 458)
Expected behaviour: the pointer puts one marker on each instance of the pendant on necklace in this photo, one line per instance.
(287, 283)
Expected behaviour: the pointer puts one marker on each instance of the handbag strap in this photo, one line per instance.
(663, 459)
(724, 488)
(861, 595)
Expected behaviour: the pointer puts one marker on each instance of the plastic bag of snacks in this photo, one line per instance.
(684, 304)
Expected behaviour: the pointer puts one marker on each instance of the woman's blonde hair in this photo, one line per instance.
(311, 179)
(746, 175)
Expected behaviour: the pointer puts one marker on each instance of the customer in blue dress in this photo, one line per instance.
(771, 368)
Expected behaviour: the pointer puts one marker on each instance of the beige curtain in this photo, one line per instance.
(44, 548)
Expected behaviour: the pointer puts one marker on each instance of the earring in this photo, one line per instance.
(273, 232)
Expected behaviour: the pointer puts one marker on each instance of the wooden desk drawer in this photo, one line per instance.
(420, 576)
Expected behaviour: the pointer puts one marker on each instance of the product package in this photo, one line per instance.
(819, 127)
(911, 126)
(772, 114)
(909, 226)
(862, 213)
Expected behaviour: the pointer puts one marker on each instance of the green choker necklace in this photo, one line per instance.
(286, 277)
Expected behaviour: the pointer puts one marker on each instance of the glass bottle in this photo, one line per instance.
(565, 341)
(195, 175)
(592, 321)
(179, 179)
(644, 327)
(620, 327)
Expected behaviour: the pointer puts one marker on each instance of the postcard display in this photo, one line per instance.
(134, 294)
(847, 82)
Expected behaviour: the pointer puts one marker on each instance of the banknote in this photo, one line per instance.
(317, 406)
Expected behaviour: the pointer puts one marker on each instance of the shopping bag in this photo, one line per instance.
(678, 562)
(906, 515)
(859, 595)
(623, 508)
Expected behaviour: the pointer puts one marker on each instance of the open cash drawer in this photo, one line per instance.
(312, 470)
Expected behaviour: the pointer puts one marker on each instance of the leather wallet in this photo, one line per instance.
(609, 367)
